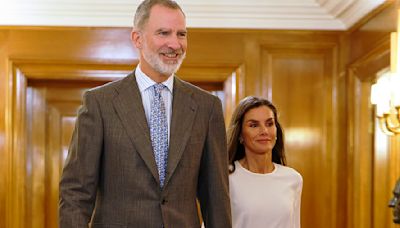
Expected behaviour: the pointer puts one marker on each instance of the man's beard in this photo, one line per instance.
(156, 62)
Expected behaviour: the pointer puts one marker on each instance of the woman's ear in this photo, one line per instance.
(240, 139)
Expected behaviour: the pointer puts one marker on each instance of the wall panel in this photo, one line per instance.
(298, 81)
(319, 81)
(296, 69)
(4, 163)
(373, 157)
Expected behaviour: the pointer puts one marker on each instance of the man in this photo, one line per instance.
(146, 146)
(395, 202)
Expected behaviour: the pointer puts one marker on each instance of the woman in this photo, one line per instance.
(264, 192)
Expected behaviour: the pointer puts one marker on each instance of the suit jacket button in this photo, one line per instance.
(164, 201)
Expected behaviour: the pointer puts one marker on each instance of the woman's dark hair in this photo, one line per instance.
(235, 148)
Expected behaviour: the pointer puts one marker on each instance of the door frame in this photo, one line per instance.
(362, 192)
(21, 71)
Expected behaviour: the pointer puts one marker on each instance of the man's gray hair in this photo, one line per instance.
(143, 11)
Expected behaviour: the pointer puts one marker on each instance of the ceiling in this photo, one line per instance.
(253, 14)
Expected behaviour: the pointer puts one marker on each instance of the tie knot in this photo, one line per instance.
(158, 88)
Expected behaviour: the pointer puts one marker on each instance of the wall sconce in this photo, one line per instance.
(385, 93)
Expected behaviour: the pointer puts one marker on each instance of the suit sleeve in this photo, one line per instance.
(79, 180)
(213, 192)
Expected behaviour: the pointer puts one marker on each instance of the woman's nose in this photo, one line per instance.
(263, 129)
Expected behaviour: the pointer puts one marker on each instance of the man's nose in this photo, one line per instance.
(174, 42)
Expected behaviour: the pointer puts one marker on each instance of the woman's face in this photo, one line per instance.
(259, 130)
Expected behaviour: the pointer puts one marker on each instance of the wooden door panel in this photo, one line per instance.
(51, 118)
(298, 81)
(54, 165)
(67, 127)
(35, 157)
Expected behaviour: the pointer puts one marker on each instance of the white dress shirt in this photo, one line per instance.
(145, 83)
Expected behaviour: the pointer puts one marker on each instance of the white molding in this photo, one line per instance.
(359, 10)
(252, 14)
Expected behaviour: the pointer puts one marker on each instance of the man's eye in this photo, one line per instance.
(182, 34)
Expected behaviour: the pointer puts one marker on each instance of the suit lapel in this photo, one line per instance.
(183, 113)
(128, 104)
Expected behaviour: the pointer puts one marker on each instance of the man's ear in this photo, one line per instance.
(136, 38)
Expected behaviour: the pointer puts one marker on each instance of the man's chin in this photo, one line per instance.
(167, 72)
(171, 69)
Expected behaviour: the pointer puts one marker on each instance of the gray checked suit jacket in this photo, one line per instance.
(110, 178)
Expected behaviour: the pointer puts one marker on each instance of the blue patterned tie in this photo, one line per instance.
(159, 131)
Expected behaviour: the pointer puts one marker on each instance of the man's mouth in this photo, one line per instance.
(170, 55)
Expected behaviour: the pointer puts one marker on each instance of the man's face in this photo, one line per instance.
(395, 203)
(162, 42)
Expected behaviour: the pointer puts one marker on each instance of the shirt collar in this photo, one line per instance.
(144, 81)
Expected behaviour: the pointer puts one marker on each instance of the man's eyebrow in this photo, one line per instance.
(162, 29)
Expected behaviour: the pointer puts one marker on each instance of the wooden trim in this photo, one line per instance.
(264, 31)
(59, 70)
(360, 149)
(17, 200)
(234, 92)
(371, 15)
(111, 70)
(190, 30)
(338, 165)
(241, 82)
(394, 160)
(382, 48)
(8, 144)
(359, 180)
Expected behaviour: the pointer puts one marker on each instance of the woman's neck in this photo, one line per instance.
(258, 164)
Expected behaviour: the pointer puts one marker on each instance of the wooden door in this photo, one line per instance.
(51, 112)
(299, 82)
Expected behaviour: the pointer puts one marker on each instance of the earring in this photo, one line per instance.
(240, 140)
